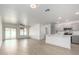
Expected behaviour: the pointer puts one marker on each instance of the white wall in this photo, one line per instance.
(0, 31)
(38, 31)
(43, 30)
(34, 31)
(48, 26)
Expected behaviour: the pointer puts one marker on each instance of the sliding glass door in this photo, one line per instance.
(23, 32)
(13, 33)
(10, 33)
(7, 33)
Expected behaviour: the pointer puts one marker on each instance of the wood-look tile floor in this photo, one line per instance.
(34, 47)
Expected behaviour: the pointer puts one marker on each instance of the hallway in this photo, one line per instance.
(32, 47)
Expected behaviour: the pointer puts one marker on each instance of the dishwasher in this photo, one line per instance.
(75, 38)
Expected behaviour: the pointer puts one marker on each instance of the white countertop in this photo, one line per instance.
(58, 34)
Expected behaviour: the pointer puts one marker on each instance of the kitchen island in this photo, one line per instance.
(59, 39)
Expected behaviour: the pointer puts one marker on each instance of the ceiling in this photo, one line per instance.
(22, 13)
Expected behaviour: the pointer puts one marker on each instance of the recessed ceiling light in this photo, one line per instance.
(33, 5)
(59, 17)
(76, 13)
